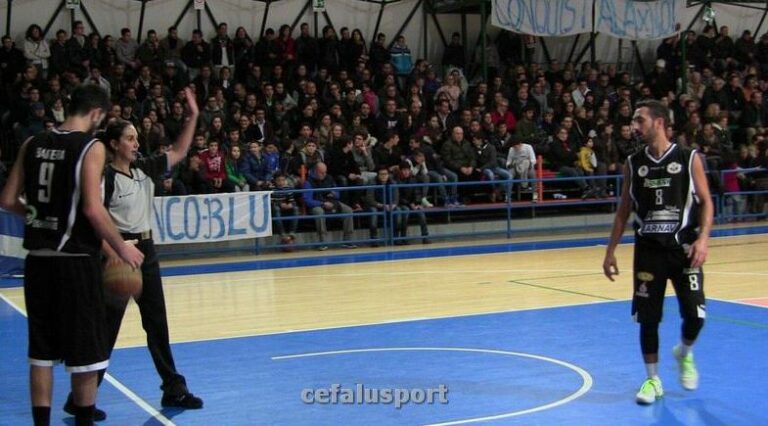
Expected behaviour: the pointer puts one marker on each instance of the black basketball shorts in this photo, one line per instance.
(66, 312)
(653, 266)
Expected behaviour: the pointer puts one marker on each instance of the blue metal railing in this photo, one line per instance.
(507, 210)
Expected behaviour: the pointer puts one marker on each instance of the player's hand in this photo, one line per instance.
(610, 268)
(131, 255)
(194, 110)
(698, 253)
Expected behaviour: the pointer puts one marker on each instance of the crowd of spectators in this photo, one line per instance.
(320, 113)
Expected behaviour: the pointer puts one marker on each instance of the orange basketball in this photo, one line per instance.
(122, 280)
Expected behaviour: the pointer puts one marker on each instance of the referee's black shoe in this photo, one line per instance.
(176, 394)
(183, 400)
(69, 408)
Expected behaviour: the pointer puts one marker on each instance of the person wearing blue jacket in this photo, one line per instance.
(326, 201)
(252, 165)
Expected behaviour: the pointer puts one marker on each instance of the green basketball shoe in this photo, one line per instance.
(689, 376)
(649, 392)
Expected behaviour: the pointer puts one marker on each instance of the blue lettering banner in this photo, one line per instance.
(639, 20)
(211, 218)
(545, 18)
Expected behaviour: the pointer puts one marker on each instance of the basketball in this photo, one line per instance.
(122, 280)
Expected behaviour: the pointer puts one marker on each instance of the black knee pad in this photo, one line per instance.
(649, 338)
(691, 328)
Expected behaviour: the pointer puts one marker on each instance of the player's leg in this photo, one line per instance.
(154, 320)
(689, 287)
(84, 334)
(40, 295)
(649, 286)
(84, 396)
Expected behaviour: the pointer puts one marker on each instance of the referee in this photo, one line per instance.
(128, 191)
(666, 188)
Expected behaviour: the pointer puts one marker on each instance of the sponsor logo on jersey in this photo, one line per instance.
(674, 168)
(642, 291)
(645, 276)
(31, 214)
(642, 171)
(662, 215)
(657, 183)
(691, 271)
(659, 228)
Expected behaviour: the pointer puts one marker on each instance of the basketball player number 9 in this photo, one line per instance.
(45, 180)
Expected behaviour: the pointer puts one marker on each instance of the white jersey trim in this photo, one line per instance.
(75, 195)
(689, 197)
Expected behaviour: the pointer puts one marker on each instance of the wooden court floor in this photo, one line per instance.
(224, 305)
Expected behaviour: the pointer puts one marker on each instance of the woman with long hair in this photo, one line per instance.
(129, 189)
(36, 49)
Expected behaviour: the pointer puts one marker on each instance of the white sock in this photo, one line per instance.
(685, 349)
(652, 370)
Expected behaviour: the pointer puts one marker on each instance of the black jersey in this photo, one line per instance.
(663, 197)
(53, 189)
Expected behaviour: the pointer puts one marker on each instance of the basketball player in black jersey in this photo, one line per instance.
(665, 186)
(59, 174)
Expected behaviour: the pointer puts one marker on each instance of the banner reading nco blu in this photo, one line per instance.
(211, 218)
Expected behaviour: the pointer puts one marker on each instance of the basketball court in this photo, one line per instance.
(519, 333)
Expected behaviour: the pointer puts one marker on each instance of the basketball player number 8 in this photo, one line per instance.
(45, 180)
(659, 197)
(693, 280)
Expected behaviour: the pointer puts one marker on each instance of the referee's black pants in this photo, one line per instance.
(154, 320)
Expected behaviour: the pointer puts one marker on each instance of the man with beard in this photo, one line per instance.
(666, 187)
(60, 173)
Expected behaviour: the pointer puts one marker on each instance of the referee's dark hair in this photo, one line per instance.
(87, 98)
(113, 131)
(656, 110)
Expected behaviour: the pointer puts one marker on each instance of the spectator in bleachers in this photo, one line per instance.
(126, 48)
(458, 156)
(59, 61)
(36, 49)
(383, 199)
(195, 54)
(222, 49)
(326, 201)
(387, 153)
(626, 144)
(411, 201)
(252, 166)
(521, 163)
(754, 118)
(487, 165)
(563, 158)
(285, 211)
(214, 170)
(12, 61)
(235, 177)
(172, 46)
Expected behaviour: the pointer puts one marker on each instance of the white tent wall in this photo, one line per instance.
(112, 15)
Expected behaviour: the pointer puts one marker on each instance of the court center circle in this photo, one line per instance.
(585, 376)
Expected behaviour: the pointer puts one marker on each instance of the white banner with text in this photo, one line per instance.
(211, 218)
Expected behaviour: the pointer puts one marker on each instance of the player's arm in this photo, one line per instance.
(698, 252)
(179, 148)
(10, 198)
(610, 267)
(94, 210)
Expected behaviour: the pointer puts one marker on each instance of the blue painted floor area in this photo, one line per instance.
(242, 383)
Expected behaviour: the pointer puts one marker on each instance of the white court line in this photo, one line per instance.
(585, 376)
(742, 302)
(114, 382)
(385, 322)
